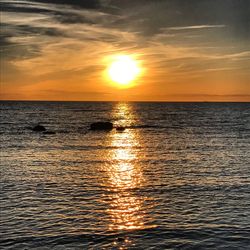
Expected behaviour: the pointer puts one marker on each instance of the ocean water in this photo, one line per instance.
(178, 177)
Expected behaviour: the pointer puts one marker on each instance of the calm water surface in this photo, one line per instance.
(177, 178)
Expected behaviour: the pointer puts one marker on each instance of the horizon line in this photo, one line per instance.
(159, 101)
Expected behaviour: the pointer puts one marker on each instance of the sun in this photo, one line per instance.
(123, 70)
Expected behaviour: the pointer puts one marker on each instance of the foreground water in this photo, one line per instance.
(176, 178)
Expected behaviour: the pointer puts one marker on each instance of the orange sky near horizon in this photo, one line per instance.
(48, 59)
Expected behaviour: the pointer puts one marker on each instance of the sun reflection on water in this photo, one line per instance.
(125, 179)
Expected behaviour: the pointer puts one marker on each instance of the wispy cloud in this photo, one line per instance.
(206, 26)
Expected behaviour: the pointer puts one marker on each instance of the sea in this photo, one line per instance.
(176, 177)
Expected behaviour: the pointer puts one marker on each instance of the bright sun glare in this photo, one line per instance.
(123, 70)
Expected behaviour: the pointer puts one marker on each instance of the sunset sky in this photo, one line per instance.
(187, 50)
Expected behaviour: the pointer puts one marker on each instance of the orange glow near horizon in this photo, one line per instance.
(86, 78)
(77, 80)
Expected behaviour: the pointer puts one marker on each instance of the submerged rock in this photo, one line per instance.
(120, 129)
(101, 126)
(39, 128)
(49, 132)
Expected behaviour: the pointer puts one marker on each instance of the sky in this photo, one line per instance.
(188, 50)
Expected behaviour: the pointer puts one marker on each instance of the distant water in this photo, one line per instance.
(177, 178)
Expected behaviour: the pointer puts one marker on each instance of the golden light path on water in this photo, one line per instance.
(125, 177)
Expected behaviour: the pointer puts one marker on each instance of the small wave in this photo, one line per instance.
(143, 126)
(89, 110)
(159, 237)
(86, 239)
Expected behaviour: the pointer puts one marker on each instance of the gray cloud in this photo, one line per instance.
(154, 15)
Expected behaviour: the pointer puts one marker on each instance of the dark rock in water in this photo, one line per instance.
(101, 126)
(39, 128)
(49, 132)
(120, 129)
